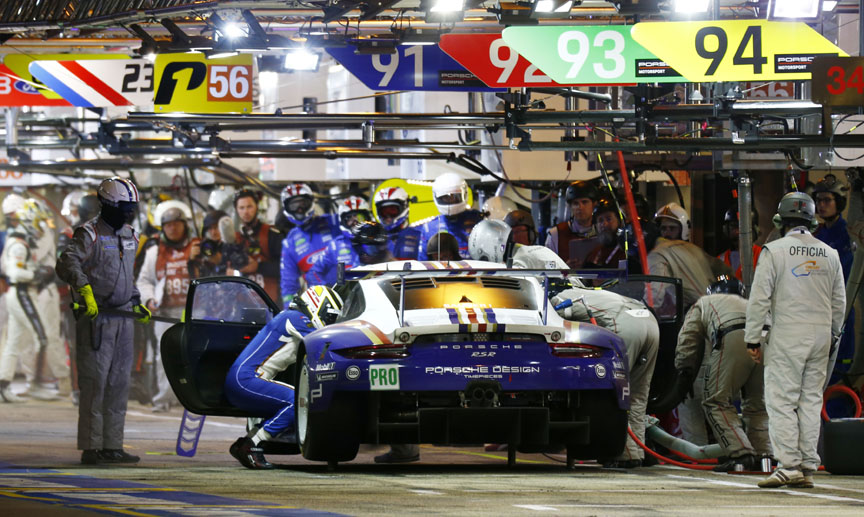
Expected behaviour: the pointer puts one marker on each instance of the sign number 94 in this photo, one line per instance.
(716, 38)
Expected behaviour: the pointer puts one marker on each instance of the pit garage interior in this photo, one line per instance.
(709, 104)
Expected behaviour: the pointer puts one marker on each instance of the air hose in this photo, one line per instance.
(839, 389)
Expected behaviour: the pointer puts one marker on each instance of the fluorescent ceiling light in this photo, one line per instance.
(794, 9)
(302, 59)
(829, 5)
(692, 6)
(218, 55)
(447, 6)
(553, 6)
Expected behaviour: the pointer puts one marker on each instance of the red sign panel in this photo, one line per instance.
(15, 92)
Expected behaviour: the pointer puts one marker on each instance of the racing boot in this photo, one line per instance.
(398, 453)
(781, 477)
(249, 455)
(118, 456)
(91, 457)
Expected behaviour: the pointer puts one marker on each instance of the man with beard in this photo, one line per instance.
(608, 222)
(261, 241)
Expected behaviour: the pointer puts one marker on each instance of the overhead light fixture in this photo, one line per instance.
(691, 6)
(224, 53)
(627, 7)
(829, 5)
(302, 59)
(515, 13)
(794, 9)
(441, 11)
(548, 7)
(412, 36)
(376, 7)
(377, 44)
(180, 41)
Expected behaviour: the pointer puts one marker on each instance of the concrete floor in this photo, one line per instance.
(40, 475)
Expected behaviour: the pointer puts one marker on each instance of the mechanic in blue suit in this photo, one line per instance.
(391, 209)
(367, 244)
(451, 198)
(250, 382)
(304, 244)
(829, 195)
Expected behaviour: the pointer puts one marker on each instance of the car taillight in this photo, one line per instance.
(576, 350)
(387, 351)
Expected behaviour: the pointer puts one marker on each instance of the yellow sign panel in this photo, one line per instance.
(421, 203)
(192, 83)
(20, 66)
(736, 50)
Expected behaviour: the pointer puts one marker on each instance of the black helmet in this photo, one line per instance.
(519, 218)
(369, 232)
(580, 189)
(830, 184)
(726, 284)
(606, 204)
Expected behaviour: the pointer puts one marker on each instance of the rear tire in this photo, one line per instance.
(330, 435)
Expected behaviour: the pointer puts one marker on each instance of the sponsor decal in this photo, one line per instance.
(316, 393)
(480, 346)
(328, 376)
(384, 377)
(325, 367)
(352, 373)
(468, 370)
(806, 269)
(482, 354)
(600, 371)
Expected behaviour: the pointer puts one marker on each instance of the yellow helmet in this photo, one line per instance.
(321, 304)
(32, 215)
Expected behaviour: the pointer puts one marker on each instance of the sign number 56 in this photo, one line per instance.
(231, 83)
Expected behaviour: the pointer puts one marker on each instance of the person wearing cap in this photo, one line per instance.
(522, 224)
(799, 283)
(98, 265)
(366, 243)
(713, 334)
(830, 196)
(391, 210)
(443, 247)
(306, 242)
(731, 230)
(609, 234)
(450, 193)
(581, 197)
(164, 281)
(262, 242)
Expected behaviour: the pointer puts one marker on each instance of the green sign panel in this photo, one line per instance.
(589, 55)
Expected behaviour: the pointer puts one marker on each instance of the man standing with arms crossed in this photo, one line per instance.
(798, 280)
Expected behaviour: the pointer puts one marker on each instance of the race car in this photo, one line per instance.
(420, 353)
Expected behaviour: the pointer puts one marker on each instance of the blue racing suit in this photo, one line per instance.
(249, 383)
(325, 271)
(459, 225)
(405, 243)
(837, 236)
(301, 248)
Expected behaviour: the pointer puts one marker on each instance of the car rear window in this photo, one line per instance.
(462, 292)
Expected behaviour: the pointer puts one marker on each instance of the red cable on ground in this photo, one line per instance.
(664, 459)
(840, 389)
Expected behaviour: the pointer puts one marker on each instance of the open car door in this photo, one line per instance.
(664, 296)
(222, 316)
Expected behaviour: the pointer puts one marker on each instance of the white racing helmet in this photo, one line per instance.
(675, 212)
(321, 304)
(451, 194)
(116, 190)
(796, 206)
(353, 207)
(171, 210)
(71, 202)
(490, 241)
(221, 198)
(497, 207)
(11, 203)
(32, 215)
(297, 203)
(392, 202)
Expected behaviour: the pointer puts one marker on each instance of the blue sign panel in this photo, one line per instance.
(411, 67)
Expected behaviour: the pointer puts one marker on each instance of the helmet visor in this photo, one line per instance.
(298, 205)
(450, 199)
(390, 210)
(371, 250)
(352, 218)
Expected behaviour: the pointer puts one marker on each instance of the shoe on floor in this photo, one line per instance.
(6, 395)
(807, 482)
(91, 457)
(783, 477)
(389, 457)
(495, 447)
(748, 462)
(118, 456)
(249, 455)
(163, 407)
(41, 393)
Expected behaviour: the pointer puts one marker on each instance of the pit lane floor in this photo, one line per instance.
(40, 474)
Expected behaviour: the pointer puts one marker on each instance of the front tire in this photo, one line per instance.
(330, 435)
